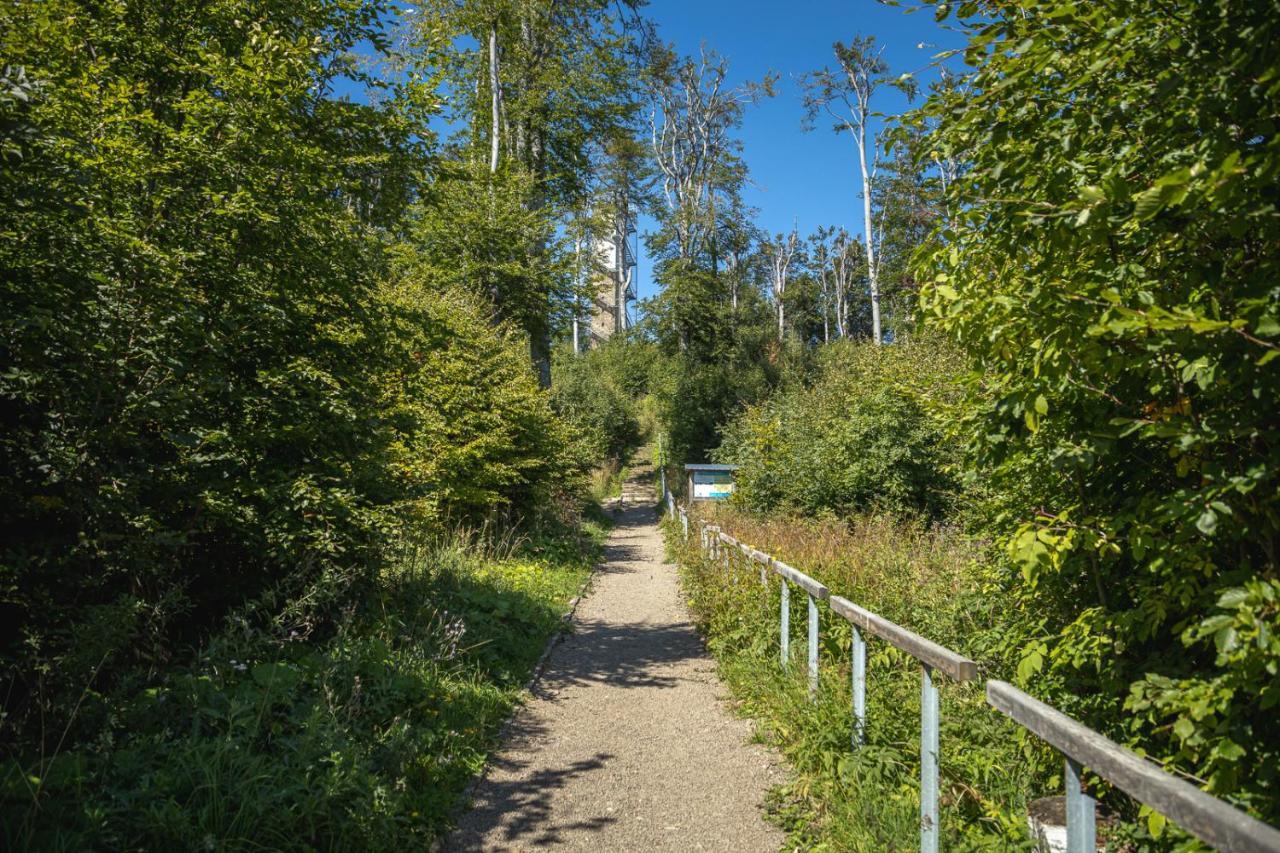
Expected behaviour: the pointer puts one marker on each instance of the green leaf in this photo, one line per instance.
(1092, 194)
(1147, 203)
(1207, 523)
(275, 675)
(1156, 824)
(1233, 598)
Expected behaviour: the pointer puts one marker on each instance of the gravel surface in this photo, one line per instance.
(626, 743)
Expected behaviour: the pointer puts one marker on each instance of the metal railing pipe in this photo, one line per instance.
(1213, 821)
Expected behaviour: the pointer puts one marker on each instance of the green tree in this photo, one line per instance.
(544, 82)
(188, 293)
(1110, 265)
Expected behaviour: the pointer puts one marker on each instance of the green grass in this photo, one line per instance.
(361, 740)
(867, 800)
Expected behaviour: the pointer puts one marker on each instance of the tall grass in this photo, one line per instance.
(926, 579)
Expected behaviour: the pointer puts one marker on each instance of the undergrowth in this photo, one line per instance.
(867, 799)
(362, 740)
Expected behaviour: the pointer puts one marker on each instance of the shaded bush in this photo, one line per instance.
(220, 393)
(364, 741)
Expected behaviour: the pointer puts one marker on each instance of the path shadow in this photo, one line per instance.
(528, 803)
(514, 806)
(626, 655)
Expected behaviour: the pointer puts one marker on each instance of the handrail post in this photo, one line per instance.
(859, 688)
(928, 761)
(813, 648)
(1081, 815)
(784, 622)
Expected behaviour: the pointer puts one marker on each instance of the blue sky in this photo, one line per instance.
(809, 178)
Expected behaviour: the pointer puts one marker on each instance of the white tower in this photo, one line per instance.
(614, 284)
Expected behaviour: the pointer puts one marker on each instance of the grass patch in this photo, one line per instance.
(868, 799)
(362, 740)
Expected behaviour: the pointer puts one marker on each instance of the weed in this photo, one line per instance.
(867, 799)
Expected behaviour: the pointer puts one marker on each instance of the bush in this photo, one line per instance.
(867, 434)
(1119, 305)
(473, 432)
(588, 392)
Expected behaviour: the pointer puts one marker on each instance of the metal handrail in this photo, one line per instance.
(1205, 816)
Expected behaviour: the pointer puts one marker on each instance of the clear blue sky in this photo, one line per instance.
(809, 178)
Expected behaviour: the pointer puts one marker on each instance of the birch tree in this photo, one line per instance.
(782, 251)
(820, 250)
(692, 117)
(847, 267)
(844, 95)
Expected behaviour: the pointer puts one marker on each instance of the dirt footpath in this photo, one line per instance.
(626, 743)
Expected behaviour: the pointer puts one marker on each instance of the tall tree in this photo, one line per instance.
(782, 251)
(692, 118)
(845, 95)
(196, 232)
(544, 81)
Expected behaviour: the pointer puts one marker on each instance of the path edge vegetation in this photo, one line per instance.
(286, 496)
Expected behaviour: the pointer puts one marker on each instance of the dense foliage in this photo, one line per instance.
(260, 326)
(597, 392)
(244, 353)
(866, 434)
(1111, 270)
(190, 311)
(472, 432)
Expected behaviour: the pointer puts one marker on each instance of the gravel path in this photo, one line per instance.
(626, 743)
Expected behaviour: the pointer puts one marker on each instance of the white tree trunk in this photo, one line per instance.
(495, 98)
(577, 295)
(783, 252)
(873, 277)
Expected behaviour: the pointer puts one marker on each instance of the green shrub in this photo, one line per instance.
(588, 393)
(1110, 268)
(868, 433)
(473, 432)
